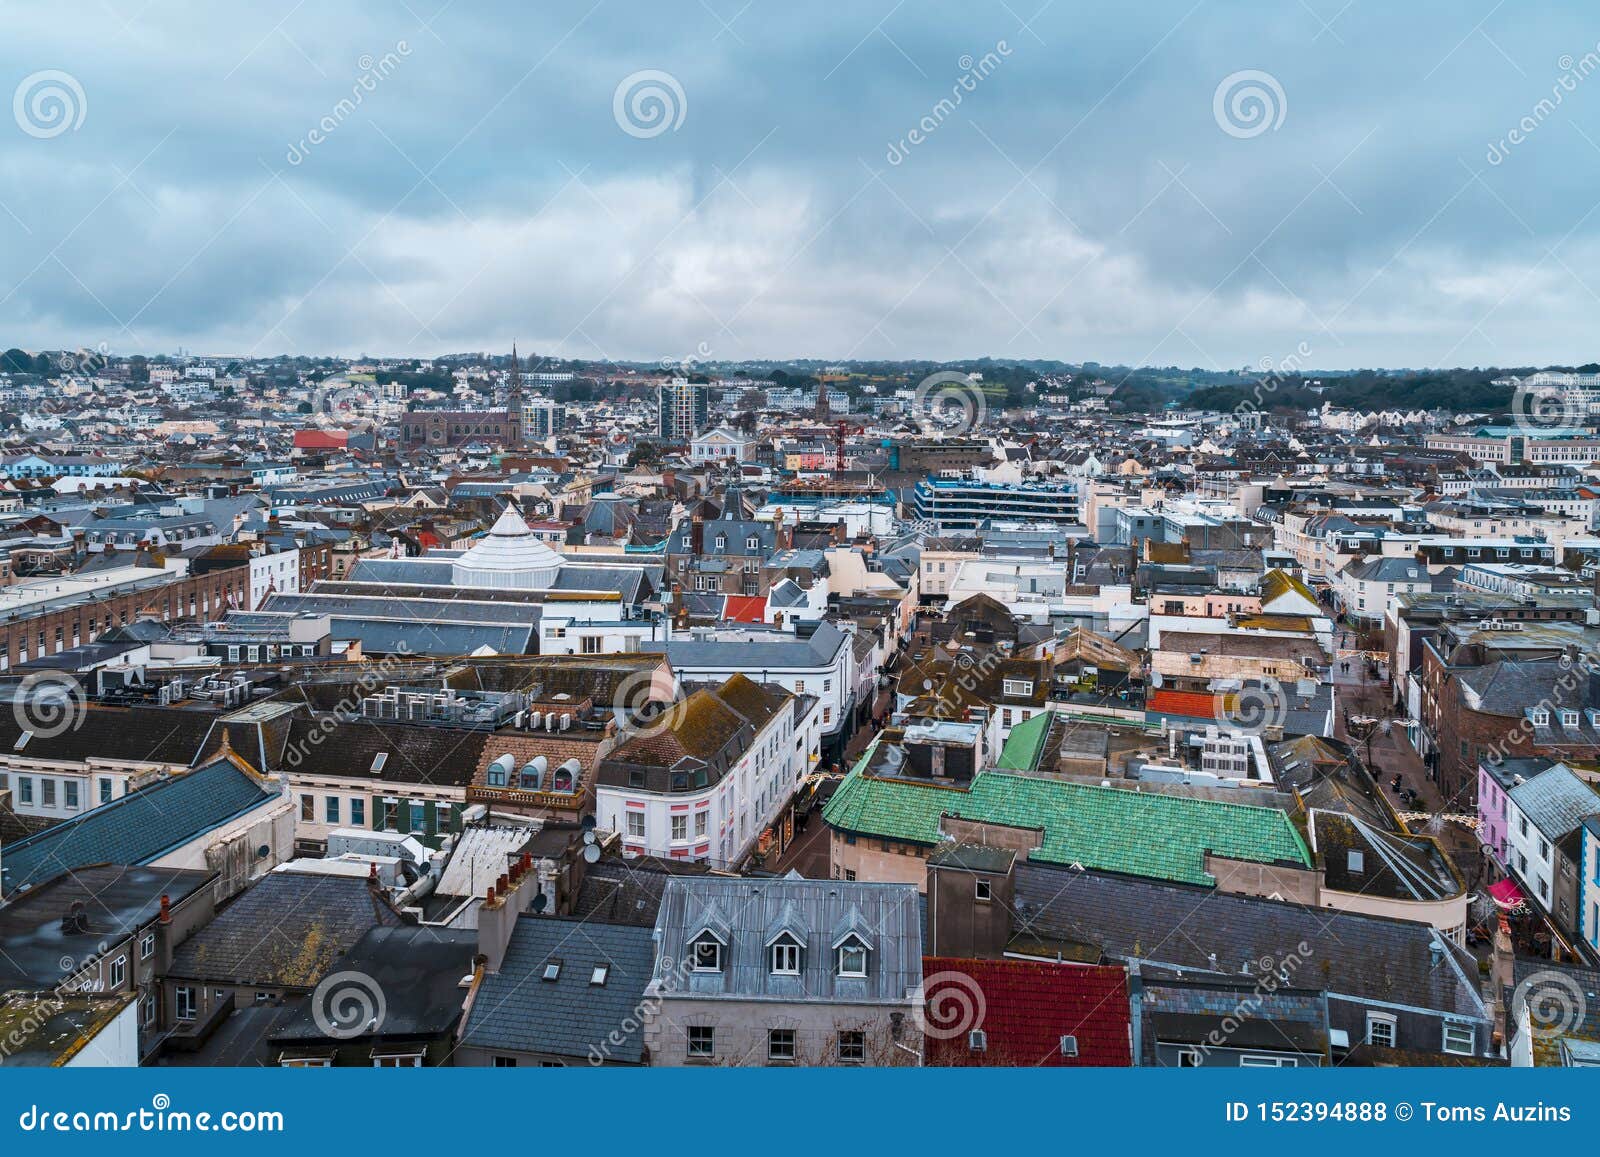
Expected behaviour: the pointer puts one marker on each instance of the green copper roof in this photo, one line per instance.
(1163, 837)
(1023, 745)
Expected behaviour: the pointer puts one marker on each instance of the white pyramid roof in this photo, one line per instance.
(509, 556)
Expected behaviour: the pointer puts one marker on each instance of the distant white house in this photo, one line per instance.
(721, 444)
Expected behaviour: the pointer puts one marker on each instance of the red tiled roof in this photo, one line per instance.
(1191, 704)
(745, 609)
(1027, 1006)
(321, 439)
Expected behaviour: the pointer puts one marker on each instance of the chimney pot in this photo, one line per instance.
(166, 908)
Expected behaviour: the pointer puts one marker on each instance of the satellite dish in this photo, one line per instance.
(588, 823)
(588, 837)
(539, 902)
(591, 854)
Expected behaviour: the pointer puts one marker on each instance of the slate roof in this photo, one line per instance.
(1164, 837)
(287, 930)
(418, 970)
(742, 912)
(517, 1010)
(1169, 928)
(138, 734)
(116, 899)
(444, 756)
(1028, 1006)
(140, 826)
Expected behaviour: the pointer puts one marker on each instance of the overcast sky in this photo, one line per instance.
(185, 174)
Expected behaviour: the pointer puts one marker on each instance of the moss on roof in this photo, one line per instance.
(1163, 837)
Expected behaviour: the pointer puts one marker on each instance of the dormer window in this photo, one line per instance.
(852, 958)
(1539, 717)
(785, 953)
(1569, 719)
(1019, 687)
(706, 952)
(752, 544)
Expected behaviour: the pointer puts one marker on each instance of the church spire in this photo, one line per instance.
(514, 402)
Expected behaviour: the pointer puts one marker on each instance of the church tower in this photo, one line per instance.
(514, 411)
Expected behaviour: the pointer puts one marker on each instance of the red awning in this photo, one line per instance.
(1507, 894)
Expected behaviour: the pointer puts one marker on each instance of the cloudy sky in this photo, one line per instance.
(1332, 182)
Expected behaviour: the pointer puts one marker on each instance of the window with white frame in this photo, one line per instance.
(706, 952)
(147, 946)
(183, 1002)
(852, 957)
(1461, 1039)
(1380, 1029)
(786, 956)
(780, 1044)
(636, 824)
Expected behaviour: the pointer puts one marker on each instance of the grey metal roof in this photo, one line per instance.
(1556, 801)
(1170, 928)
(138, 827)
(743, 912)
(780, 650)
(397, 636)
(411, 571)
(517, 1010)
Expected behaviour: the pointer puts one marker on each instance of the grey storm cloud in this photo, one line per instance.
(1195, 183)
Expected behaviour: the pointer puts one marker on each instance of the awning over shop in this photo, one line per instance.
(1507, 894)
